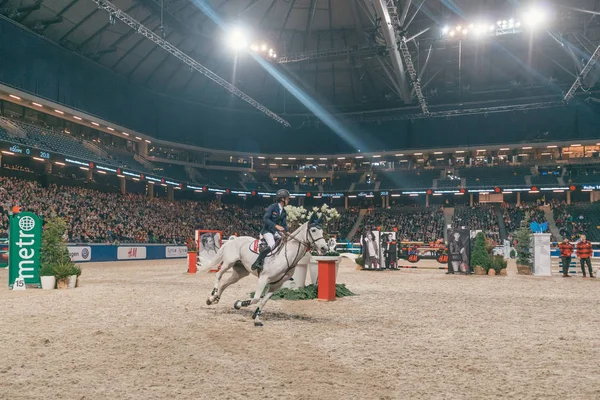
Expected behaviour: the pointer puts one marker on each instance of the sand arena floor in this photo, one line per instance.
(143, 331)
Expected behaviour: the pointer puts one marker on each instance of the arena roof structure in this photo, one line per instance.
(412, 58)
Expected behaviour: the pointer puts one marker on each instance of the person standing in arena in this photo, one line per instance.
(584, 252)
(275, 223)
(566, 251)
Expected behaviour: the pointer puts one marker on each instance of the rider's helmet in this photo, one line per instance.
(282, 194)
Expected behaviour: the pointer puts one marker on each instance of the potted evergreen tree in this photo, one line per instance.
(480, 258)
(63, 271)
(522, 248)
(54, 254)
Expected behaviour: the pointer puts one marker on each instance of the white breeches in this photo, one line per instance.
(270, 239)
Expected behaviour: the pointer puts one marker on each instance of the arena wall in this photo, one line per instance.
(82, 253)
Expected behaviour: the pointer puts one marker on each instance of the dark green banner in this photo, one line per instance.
(25, 240)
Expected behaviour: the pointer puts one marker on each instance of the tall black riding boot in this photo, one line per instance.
(258, 264)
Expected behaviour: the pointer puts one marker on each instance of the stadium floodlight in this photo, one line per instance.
(534, 17)
(263, 47)
(445, 30)
(237, 39)
(452, 33)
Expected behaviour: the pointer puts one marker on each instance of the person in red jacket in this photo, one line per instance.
(584, 252)
(566, 251)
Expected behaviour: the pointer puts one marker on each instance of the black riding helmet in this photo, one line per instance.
(282, 194)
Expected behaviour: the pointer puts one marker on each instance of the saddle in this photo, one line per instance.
(260, 244)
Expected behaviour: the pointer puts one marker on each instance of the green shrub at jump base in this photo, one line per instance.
(25, 239)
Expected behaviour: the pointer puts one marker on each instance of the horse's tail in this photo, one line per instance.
(215, 262)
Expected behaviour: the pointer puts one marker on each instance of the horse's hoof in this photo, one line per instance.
(208, 302)
(258, 323)
(237, 305)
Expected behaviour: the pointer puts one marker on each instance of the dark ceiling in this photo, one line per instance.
(518, 67)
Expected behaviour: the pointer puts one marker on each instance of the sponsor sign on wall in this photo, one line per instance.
(131, 253)
(80, 253)
(176, 251)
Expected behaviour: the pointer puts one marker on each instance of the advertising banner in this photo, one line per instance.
(459, 251)
(80, 253)
(25, 239)
(371, 250)
(176, 251)
(131, 253)
(209, 243)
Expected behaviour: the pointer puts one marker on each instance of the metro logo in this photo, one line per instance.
(25, 238)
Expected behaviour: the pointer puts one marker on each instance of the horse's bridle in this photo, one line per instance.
(308, 244)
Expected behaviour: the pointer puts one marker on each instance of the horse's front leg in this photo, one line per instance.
(260, 287)
(272, 289)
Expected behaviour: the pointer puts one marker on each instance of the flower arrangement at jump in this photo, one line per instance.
(296, 216)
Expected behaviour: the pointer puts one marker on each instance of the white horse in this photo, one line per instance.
(239, 255)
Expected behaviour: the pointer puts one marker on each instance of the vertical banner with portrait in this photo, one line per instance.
(371, 249)
(459, 254)
(209, 243)
(389, 250)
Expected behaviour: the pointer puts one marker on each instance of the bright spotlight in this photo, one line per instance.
(445, 30)
(452, 33)
(459, 29)
(263, 47)
(492, 28)
(481, 28)
(237, 39)
(254, 47)
(534, 17)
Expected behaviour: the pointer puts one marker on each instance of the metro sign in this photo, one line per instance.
(25, 238)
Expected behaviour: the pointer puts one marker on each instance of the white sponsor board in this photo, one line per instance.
(80, 253)
(131, 253)
(176, 251)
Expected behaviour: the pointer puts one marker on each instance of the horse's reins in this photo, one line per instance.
(305, 243)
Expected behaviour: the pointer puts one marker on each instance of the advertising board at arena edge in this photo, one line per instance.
(80, 253)
(176, 251)
(25, 239)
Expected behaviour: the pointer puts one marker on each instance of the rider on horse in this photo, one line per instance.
(275, 223)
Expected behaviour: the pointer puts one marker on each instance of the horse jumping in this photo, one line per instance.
(279, 266)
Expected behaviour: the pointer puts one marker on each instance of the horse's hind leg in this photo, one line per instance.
(238, 273)
(213, 299)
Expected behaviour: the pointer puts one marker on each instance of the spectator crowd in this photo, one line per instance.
(414, 224)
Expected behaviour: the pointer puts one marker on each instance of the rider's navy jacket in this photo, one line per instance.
(274, 217)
